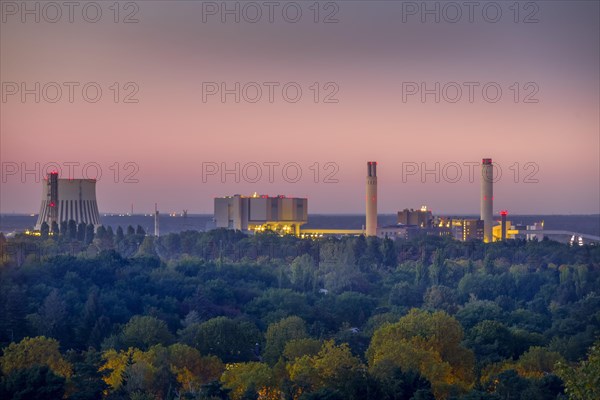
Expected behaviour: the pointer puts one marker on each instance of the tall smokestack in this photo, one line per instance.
(503, 215)
(371, 223)
(487, 198)
(53, 200)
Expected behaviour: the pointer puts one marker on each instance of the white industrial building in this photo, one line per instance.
(261, 212)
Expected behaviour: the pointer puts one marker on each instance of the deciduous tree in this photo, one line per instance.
(582, 381)
(35, 351)
(279, 333)
(429, 343)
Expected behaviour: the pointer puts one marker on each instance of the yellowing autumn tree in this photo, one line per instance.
(429, 343)
(115, 364)
(246, 377)
(333, 366)
(536, 362)
(299, 347)
(35, 351)
(143, 368)
(191, 369)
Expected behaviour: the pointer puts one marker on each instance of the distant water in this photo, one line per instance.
(589, 224)
(168, 224)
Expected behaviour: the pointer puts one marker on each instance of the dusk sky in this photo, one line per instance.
(367, 61)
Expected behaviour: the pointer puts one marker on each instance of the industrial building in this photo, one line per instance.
(68, 199)
(469, 229)
(536, 227)
(421, 222)
(422, 218)
(413, 223)
(400, 231)
(261, 212)
(463, 229)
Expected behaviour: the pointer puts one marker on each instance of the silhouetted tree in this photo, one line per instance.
(54, 228)
(64, 228)
(120, 235)
(89, 233)
(81, 231)
(109, 233)
(374, 251)
(44, 230)
(72, 229)
(390, 257)
(87, 382)
(101, 232)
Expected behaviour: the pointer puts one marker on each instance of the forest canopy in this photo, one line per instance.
(225, 315)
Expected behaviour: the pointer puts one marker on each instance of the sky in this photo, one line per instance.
(178, 102)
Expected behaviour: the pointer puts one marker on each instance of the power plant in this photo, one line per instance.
(487, 199)
(75, 199)
(371, 199)
(287, 215)
(261, 212)
(68, 199)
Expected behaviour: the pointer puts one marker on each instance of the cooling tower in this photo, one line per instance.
(371, 199)
(487, 198)
(66, 199)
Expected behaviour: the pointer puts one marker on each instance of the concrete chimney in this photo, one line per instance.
(371, 222)
(487, 198)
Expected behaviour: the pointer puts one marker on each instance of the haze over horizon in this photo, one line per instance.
(366, 61)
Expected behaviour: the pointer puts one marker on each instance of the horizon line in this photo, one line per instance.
(151, 213)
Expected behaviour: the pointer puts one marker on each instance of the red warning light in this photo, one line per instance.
(52, 204)
(504, 213)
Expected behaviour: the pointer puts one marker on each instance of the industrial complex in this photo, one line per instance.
(75, 199)
(287, 215)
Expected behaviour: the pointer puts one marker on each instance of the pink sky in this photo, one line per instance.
(368, 54)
